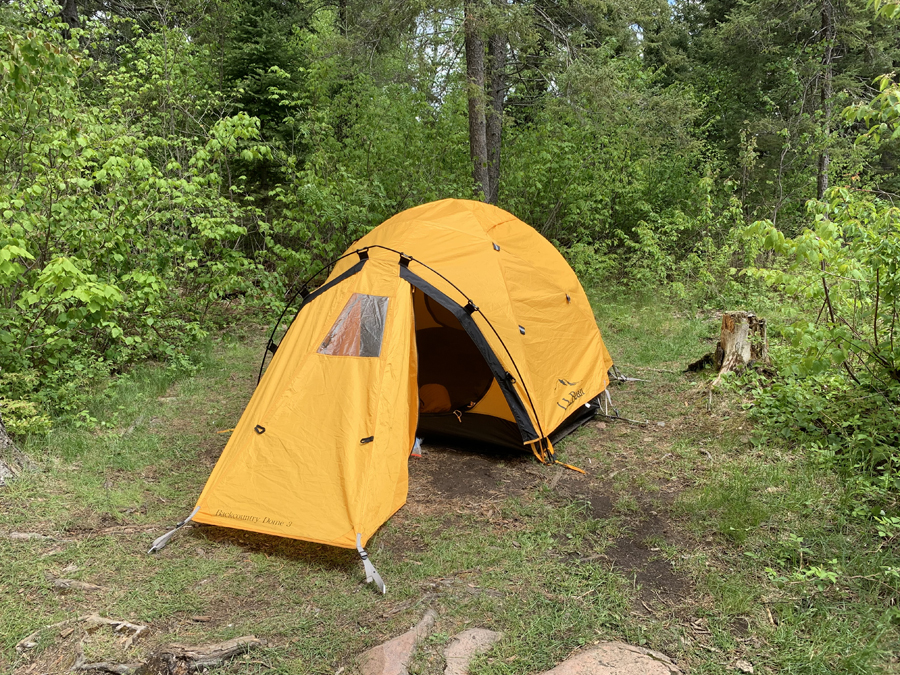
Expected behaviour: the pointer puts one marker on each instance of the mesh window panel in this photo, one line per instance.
(359, 329)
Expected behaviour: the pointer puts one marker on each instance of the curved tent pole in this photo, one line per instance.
(270, 345)
(363, 253)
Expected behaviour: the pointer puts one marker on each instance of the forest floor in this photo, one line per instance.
(686, 535)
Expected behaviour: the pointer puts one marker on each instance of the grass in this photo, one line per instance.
(684, 537)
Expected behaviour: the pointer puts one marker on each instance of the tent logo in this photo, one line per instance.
(573, 395)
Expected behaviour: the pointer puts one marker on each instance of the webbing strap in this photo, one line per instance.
(371, 572)
(160, 542)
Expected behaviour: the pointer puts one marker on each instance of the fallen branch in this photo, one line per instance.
(623, 419)
(169, 660)
(95, 619)
(31, 536)
(655, 370)
(103, 666)
(178, 659)
(72, 584)
(28, 642)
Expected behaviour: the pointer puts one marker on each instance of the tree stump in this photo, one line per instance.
(7, 447)
(742, 340)
(12, 460)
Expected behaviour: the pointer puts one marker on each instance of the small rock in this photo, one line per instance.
(465, 646)
(617, 658)
(201, 619)
(660, 424)
(393, 656)
(744, 666)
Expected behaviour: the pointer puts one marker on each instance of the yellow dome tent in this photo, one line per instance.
(454, 319)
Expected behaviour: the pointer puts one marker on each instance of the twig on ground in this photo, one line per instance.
(115, 668)
(76, 585)
(655, 370)
(623, 419)
(28, 642)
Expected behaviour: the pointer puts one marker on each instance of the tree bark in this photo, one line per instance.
(12, 460)
(494, 132)
(475, 77)
(69, 13)
(825, 92)
(7, 447)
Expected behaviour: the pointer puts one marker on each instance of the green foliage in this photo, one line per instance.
(881, 114)
(112, 215)
(843, 277)
(846, 265)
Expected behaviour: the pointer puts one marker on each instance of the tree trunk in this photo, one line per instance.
(475, 92)
(342, 17)
(69, 13)
(825, 92)
(497, 69)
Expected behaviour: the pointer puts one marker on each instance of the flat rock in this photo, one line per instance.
(617, 658)
(465, 646)
(393, 657)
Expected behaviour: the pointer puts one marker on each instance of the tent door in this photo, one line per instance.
(499, 375)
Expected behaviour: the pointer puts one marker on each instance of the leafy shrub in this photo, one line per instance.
(108, 230)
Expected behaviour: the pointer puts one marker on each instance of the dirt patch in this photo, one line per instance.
(652, 573)
(601, 506)
(446, 475)
(459, 474)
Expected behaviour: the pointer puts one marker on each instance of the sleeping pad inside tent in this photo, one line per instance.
(450, 320)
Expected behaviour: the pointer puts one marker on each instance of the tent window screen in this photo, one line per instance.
(359, 329)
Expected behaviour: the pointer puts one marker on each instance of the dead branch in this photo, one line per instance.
(28, 642)
(72, 584)
(104, 667)
(177, 659)
(94, 619)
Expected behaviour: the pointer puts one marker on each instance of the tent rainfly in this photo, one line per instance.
(452, 319)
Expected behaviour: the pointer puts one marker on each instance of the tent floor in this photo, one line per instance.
(471, 428)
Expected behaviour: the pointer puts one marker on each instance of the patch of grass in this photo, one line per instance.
(682, 537)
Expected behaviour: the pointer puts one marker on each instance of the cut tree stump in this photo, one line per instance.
(742, 340)
(11, 462)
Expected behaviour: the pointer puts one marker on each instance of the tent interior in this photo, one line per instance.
(459, 398)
